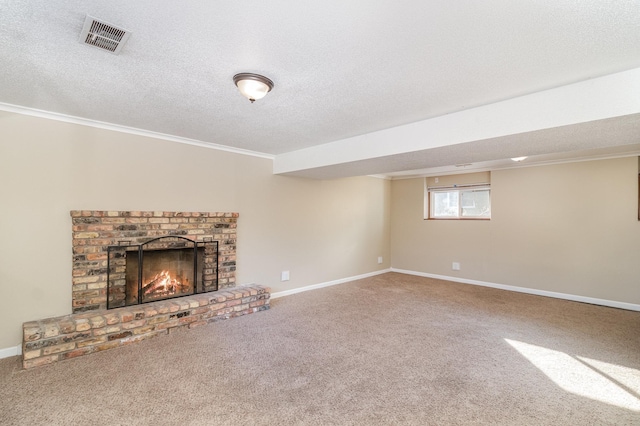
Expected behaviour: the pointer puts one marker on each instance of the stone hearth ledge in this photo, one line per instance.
(55, 339)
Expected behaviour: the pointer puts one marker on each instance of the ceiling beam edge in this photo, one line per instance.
(600, 98)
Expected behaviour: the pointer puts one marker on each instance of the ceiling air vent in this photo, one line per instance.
(103, 36)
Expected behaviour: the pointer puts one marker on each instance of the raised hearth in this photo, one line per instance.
(70, 336)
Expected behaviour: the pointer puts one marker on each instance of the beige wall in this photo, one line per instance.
(318, 230)
(570, 228)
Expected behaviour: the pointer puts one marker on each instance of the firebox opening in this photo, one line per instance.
(161, 268)
(165, 274)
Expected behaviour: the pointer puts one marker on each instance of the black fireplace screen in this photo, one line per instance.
(161, 268)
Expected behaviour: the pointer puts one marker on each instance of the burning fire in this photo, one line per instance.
(164, 283)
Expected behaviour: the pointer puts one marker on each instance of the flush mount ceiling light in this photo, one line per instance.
(518, 159)
(253, 86)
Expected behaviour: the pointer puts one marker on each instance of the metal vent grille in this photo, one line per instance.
(103, 36)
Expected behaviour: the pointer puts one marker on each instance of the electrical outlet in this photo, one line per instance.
(285, 276)
(455, 266)
(379, 259)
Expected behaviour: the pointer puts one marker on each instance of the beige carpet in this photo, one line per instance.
(388, 350)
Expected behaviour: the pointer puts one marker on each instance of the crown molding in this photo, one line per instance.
(417, 174)
(125, 129)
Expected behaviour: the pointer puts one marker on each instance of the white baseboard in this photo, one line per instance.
(7, 352)
(572, 297)
(326, 284)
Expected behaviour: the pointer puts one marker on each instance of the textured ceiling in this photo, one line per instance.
(340, 68)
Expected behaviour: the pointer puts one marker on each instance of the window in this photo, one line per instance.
(460, 196)
(460, 203)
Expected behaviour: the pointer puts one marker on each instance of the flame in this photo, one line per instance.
(163, 282)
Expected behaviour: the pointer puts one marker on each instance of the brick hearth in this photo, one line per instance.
(55, 339)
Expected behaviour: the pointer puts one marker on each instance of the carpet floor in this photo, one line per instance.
(392, 349)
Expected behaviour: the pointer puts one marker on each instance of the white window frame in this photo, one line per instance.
(429, 208)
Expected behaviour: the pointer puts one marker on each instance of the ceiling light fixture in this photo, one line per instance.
(518, 159)
(253, 86)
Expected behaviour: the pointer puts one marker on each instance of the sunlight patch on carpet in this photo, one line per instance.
(597, 380)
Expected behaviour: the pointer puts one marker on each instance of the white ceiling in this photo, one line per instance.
(342, 69)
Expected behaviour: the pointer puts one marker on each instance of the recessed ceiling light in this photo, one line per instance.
(518, 159)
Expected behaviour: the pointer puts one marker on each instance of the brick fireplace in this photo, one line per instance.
(101, 242)
(95, 232)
